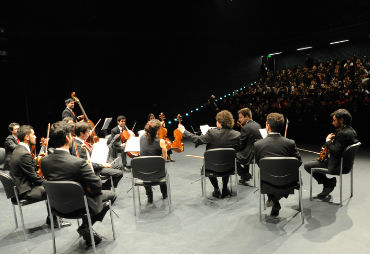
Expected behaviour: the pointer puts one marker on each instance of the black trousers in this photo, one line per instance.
(319, 177)
(243, 172)
(116, 176)
(149, 190)
(106, 196)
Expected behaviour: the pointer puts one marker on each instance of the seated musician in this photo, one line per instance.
(151, 145)
(115, 143)
(221, 137)
(163, 123)
(275, 145)
(62, 166)
(68, 111)
(82, 131)
(10, 143)
(344, 136)
(23, 171)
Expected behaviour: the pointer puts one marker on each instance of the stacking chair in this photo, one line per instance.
(11, 192)
(279, 175)
(67, 199)
(149, 170)
(346, 167)
(219, 161)
(2, 158)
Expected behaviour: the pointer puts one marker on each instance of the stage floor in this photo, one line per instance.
(212, 225)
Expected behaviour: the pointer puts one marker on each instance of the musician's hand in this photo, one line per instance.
(80, 117)
(330, 136)
(123, 145)
(107, 165)
(181, 128)
(42, 154)
(83, 146)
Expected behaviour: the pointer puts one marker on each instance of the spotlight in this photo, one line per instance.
(186, 114)
(196, 109)
(169, 123)
(305, 48)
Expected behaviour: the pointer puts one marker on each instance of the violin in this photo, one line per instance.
(162, 132)
(93, 138)
(177, 144)
(324, 154)
(125, 135)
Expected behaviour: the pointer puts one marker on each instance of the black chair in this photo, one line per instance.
(220, 161)
(11, 192)
(280, 175)
(67, 199)
(149, 170)
(346, 166)
(2, 158)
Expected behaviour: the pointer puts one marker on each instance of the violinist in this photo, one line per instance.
(344, 136)
(10, 143)
(82, 131)
(151, 116)
(115, 143)
(163, 123)
(23, 170)
(68, 111)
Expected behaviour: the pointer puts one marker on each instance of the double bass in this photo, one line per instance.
(93, 138)
(162, 132)
(177, 144)
(44, 144)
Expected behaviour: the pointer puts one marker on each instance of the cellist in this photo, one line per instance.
(163, 126)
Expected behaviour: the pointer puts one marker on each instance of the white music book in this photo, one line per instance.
(141, 132)
(204, 129)
(100, 152)
(133, 144)
(263, 132)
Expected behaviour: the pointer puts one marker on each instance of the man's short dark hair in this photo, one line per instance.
(245, 112)
(58, 133)
(12, 125)
(81, 127)
(68, 100)
(23, 131)
(67, 119)
(342, 114)
(276, 121)
(121, 117)
(225, 118)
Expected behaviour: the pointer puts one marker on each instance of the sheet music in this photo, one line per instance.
(133, 144)
(106, 123)
(100, 152)
(263, 132)
(205, 128)
(141, 132)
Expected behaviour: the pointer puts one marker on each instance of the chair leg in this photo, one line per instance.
(111, 182)
(15, 216)
(260, 204)
(340, 187)
(133, 196)
(20, 213)
(90, 225)
(78, 222)
(111, 220)
(352, 182)
(301, 204)
(201, 184)
(52, 224)
(138, 195)
(264, 202)
(169, 194)
(58, 222)
(254, 174)
(311, 185)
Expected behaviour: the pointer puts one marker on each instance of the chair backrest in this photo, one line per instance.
(2, 156)
(65, 196)
(279, 171)
(348, 157)
(220, 159)
(8, 184)
(148, 168)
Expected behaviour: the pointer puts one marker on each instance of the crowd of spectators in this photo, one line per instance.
(306, 94)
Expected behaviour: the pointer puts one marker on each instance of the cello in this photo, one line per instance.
(93, 138)
(162, 132)
(177, 144)
(125, 135)
(44, 144)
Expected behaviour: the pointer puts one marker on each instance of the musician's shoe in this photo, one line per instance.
(61, 222)
(269, 203)
(150, 199)
(243, 182)
(85, 233)
(126, 169)
(216, 193)
(164, 196)
(328, 188)
(275, 209)
(225, 193)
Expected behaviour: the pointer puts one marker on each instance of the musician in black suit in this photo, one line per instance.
(275, 145)
(249, 133)
(116, 145)
(221, 137)
(62, 166)
(11, 141)
(82, 131)
(344, 136)
(68, 111)
(23, 170)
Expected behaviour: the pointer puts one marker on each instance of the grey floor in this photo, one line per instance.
(210, 226)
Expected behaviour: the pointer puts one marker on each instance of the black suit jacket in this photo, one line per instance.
(62, 166)
(342, 139)
(10, 144)
(23, 170)
(67, 113)
(216, 138)
(79, 152)
(275, 145)
(249, 133)
(115, 141)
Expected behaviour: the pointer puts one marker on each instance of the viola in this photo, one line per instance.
(177, 144)
(324, 153)
(162, 132)
(93, 138)
(125, 135)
